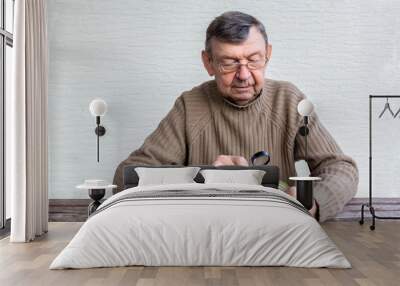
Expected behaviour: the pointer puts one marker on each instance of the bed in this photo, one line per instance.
(201, 224)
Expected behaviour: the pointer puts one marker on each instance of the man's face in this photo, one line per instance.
(241, 85)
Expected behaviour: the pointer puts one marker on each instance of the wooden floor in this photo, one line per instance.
(375, 256)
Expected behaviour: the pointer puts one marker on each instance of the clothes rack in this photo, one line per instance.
(369, 205)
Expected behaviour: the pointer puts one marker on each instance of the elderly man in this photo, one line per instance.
(225, 120)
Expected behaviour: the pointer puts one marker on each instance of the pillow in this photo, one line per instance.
(248, 177)
(164, 176)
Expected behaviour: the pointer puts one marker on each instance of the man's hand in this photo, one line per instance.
(224, 160)
(292, 191)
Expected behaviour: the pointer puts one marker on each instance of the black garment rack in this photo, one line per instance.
(369, 204)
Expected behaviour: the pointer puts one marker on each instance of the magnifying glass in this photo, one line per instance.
(260, 158)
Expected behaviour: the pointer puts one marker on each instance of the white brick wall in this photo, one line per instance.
(140, 55)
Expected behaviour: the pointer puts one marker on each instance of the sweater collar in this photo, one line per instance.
(256, 99)
(255, 102)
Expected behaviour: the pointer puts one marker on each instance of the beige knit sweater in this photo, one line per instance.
(202, 125)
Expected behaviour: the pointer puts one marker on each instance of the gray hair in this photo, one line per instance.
(233, 27)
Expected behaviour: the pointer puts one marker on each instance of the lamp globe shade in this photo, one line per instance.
(305, 107)
(98, 107)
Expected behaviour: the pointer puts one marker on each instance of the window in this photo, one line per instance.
(6, 44)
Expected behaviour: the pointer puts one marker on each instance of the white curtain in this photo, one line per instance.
(28, 123)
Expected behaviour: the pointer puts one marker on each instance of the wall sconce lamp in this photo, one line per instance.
(305, 108)
(98, 108)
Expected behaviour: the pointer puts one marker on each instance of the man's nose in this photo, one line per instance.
(243, 73)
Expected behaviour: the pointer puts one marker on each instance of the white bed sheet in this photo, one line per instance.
(200, 231)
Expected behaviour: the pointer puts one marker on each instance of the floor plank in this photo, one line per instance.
(374, 255)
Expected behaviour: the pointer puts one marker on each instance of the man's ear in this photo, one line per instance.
(269, 51)
(207, 63)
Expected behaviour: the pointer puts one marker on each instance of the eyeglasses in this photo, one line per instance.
(228, 67)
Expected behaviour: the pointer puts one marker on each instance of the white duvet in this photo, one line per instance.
(185, 231)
